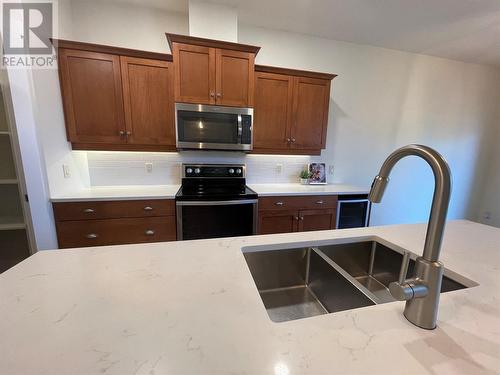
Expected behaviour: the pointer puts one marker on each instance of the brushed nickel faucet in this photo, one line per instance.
(421, 292)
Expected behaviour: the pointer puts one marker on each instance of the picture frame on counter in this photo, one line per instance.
(317, 173)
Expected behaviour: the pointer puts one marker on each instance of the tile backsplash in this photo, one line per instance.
(129, 168)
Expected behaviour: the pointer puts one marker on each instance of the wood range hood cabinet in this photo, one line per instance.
(213, 72)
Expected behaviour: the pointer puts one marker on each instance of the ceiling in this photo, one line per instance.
(466, 30)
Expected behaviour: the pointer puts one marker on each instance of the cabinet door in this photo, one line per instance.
(148, 100)
(235, 78)
(273, 111)
(92, 96)
(81, 233)
(194, 73)
(316, 220)
(283, 221)
(310, 113)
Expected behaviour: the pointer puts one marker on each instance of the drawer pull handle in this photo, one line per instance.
(320, 202)
(150, 232)
(88, 211)
(301, 218)
(148, 208)
(91, 236)
(279, 204)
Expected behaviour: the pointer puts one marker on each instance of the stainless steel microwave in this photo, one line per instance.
(210, 127)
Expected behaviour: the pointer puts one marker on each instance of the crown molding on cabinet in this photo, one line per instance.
(185, 39)
(294, 72)
(99, 48)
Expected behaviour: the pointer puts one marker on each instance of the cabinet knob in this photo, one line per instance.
(288, 140)
(88, 211)
(148, 208)
(212, 94)
(293, 140)
(320, 202)
(301, 218)
(296, 218)
(122, 133)
(150, 232)
(91, 236)
(219, 95)
(128, 133)
(279, 203)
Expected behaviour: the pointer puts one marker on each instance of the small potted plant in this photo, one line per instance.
(304, 177)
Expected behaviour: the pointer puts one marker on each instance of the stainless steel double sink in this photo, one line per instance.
(308, 281)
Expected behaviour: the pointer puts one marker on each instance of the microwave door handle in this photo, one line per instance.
(240, 129)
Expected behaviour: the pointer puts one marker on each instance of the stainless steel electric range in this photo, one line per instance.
(214, 201)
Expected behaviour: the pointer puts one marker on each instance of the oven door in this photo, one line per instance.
(213, 219)
(213, 127)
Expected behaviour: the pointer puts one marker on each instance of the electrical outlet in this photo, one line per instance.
(330, 170)
(149, 167)
(279, 168)
(66, 171)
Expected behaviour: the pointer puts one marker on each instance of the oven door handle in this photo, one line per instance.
(215, 203)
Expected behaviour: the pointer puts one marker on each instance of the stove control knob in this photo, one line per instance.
(231, 171)
(189, 170)
(238, 171)
(197, 170)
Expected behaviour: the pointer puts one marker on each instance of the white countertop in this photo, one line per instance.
(192, 308)
(264, 190)
(168, 191)
(110, 193)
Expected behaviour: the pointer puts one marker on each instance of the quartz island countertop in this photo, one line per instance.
(192, 307)
(134, 192)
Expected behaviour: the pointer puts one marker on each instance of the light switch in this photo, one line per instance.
(149, 167)
(66, 171)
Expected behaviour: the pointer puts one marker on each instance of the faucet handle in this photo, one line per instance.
(405, 290)
(404, 267)
(400, 289)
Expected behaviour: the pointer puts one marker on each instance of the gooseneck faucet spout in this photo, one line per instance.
(422, 291)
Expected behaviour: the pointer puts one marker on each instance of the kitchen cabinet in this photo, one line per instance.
(296, 214)
(291, 110)
(81, 224)
(92, 96)
(116, 98)
(272, 111)
(212, 72)
(147, 94)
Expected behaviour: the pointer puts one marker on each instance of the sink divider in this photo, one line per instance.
(347, 276)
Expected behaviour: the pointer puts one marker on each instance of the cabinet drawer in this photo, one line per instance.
(310, 202)
(113, 209)
(77, 233)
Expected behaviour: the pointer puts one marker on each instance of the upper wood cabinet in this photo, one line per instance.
(212, 72)
(92, 96)
(291, 110)
(147, 94)
(194, 74)
(116, 98)
(272, 112)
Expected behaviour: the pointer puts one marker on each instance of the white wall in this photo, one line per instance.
(489, 201)
(213, 21)
(382, 99)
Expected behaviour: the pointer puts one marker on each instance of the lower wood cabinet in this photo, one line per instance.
(81, 224)
(296, 214)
